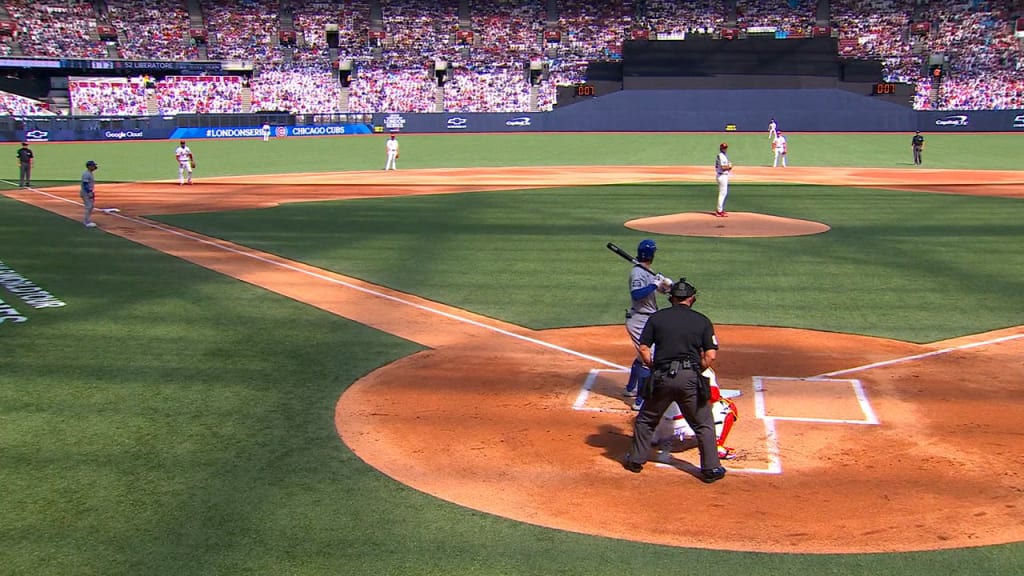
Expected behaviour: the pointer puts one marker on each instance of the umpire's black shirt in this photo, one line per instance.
(24, 155)
(678, 333)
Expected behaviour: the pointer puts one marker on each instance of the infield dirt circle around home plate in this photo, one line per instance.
(901, 447)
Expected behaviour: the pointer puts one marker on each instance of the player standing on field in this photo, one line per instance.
(779, 146)
(185, 163)
(88, 192)
(722, 169)
(917, 143)
(773, 130)
(265, 130)
(643, 285)
(392, 152)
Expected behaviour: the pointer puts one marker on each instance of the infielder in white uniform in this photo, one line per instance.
(773, 130)
(643, 285)
(722, 169)
(185, 163)
(265, 129)
(779, 146)
(392, 149)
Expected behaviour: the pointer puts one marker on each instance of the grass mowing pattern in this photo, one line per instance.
(893, 264)
(172, 421)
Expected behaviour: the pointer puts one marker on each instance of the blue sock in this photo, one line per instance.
(635, 372)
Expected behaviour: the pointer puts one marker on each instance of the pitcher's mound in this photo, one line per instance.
(736, 224)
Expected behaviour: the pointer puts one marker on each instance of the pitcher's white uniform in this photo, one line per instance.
(722, 169)
(779, 146)
(392, 149)
(184, 157)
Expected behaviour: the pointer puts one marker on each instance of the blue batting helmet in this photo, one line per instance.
(645, 250)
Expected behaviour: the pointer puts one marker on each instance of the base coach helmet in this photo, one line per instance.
(645, 250)
(682, 290)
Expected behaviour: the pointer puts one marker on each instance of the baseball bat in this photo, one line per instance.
(626, 255)
(623, 253)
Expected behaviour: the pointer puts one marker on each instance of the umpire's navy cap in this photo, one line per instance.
(90, 163)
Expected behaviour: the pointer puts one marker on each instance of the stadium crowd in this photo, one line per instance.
(984, 59)
(793, 17)
(667, 19)
(300, 90)
(153, 29)
(15, 105)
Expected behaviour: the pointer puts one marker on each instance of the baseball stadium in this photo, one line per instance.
(242, 333)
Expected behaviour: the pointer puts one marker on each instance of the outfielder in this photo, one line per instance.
(722, 169)
(673, 424)
(392, 150)
(643, 283)
(779, 147)
(773, 130)
(186, 163)
(265, 130)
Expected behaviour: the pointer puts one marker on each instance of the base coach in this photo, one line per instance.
(684, 344)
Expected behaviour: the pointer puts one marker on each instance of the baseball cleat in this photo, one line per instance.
(721, 214)
(726, 453)
(632, 466)
(637, 405)
(90, 224)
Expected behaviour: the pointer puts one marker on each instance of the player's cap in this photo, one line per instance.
(24, 143)
(182, 142)
(723, 146)
(90, 163)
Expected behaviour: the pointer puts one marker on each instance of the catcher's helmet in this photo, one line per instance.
(682, 290)
(645, 250)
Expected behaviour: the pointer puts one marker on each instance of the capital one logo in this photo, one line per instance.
(955, 120)
(1018, 121)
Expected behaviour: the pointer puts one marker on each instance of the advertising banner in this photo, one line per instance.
(276, 131)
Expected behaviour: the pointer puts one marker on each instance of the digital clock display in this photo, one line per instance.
(882, 88)
(585, 90)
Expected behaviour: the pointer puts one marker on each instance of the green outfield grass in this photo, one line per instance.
(170, 420)
(151, 160)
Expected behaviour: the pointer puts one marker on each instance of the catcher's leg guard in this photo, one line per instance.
(725, 415)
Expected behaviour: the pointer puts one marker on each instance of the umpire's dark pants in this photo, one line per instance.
(26, 174)
(684, 391)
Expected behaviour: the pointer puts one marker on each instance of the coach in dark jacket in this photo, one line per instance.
(684, 344)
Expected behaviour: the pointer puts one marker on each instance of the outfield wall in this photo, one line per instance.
(804, 110)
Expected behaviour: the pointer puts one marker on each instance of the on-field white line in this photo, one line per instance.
(394, 299)
(771, 436)
(920, 356)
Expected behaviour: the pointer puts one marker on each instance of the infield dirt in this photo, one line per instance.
(485, 417)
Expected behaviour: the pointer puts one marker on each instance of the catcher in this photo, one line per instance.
(673, 425)
(186, 163)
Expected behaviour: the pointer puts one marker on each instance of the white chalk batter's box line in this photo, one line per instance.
(774, 458)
